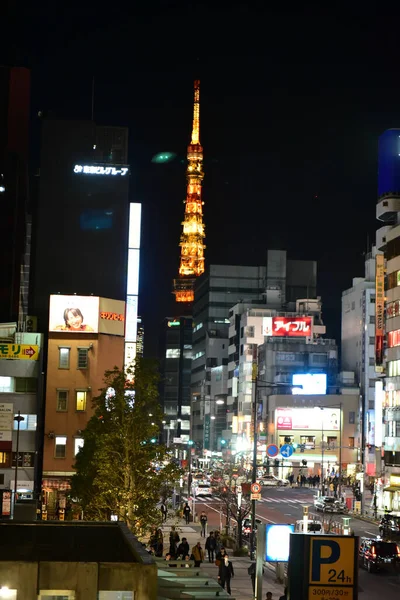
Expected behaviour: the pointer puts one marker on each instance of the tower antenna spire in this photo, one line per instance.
(192, 238)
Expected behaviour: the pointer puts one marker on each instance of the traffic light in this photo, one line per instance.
(223, 442)
(153, 440)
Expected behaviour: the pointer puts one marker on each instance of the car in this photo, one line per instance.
(313, 527)
(390, 526)
(246, 527)
(271, 480)
(375, 554)
(203, 488)
(329, 504)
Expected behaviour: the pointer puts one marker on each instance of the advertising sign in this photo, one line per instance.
(379, 425)
(6, 426)
(6, 503)
(332, 567)
(379, 309)
(75, 314)
(308, 418)
(278, 542)
(311, 383)
(207, 428)
(112, 317)
(19, 351)
(287, 326)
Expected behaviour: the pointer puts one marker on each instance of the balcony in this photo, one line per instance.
(387, 207)
(381, 234)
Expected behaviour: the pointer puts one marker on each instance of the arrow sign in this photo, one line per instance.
(29, 351)
(286, 450)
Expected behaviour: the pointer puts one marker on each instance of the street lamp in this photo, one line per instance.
(17, 418)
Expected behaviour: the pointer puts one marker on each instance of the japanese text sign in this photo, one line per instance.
(19, 351)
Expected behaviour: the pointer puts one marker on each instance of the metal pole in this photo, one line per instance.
(322, 455)
(254, 470)
(261, 539)
(18, 418)
(340, 454)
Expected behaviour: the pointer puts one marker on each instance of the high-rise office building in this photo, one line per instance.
(15, 222)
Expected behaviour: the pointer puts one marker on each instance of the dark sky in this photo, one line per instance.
(292, 104)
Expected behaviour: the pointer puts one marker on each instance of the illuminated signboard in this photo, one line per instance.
(379, 309)
(287, 326)
(174, 323)
(278, 542)
(308, 418)
(19, 351)
(100, 170)
(112, 317)
(135, 213)
(311, 383)
(74, 314)
(6, 425)
(379, 396)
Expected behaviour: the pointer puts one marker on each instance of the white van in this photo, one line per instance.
(313, 527)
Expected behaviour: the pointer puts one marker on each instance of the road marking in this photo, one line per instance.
(288, 514)
(370, 533)
(265, 519)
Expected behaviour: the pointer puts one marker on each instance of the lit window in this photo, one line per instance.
(63, 358)
(62, 400)
(60, 446)
(172, 353)
(6, 384)
(197, 327)
(83, 358)
(81, 400)
(394, 338)
(78, 443)
(394, 368)
(28, 424)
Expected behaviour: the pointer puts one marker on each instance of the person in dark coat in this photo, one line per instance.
(183, 548)
(211, 545)
(225, 573)
(186, 513)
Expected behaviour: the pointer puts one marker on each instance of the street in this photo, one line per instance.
(285, 505)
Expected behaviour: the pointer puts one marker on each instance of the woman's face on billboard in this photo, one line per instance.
(74, 321)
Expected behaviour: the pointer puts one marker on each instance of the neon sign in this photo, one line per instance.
(112, 316)
(100, 170)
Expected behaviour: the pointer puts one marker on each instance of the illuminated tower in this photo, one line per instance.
(192, 238)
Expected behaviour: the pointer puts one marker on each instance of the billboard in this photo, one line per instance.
(379, 426)
(19, 351)
(311, 383)
(278, 542)
(287, 326)
(75, 314)
(112, 316)
(132, 284)
(317, 418)
(379, 309)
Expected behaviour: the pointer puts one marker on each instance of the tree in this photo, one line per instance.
(225, 485)
(121, 467)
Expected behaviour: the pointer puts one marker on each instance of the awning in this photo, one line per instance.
(56, 484)
(392, 488)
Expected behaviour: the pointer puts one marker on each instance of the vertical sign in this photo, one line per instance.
(207, 427)
(135, 213)
(6, 503)
(379, 395)
(379, 310)
(6, 426)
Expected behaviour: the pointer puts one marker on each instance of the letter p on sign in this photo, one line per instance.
(332, 560)
(324, 552)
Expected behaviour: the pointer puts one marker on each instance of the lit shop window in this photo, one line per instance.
(394, 368)
(393, 280)
(81, 396)
(393, 309)
(394, 338)
(6, 384)
(172, 353)
(60, 446)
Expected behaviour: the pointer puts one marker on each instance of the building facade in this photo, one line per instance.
(86, 338)
(20, 396)
(358, 352)
(275, 285)
(175, 365)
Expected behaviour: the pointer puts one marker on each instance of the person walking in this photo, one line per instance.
(203, 523)
(174, 539)
(163, 509)
(198, 554)
(252, 572)
(211, 546)
(186, 513)
(225, 573)
(183, 548)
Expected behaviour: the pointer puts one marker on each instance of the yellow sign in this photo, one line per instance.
(395, 480)
(19, 351)
(332, 561)
(319, 591)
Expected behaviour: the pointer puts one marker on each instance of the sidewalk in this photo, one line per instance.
(241, 583)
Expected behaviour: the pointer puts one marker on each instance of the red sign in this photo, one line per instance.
(292, 326)
(284, 421)
(111, 316)
(29, 351)
(6, 504)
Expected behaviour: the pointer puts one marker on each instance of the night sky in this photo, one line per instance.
(292, 104)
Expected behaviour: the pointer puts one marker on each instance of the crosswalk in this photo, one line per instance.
(290, 501)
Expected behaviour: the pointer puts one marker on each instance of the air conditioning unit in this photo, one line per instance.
(30, 324)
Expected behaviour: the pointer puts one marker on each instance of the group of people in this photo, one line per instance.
(301, 480)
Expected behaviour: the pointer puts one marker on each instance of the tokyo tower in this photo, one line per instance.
(192, 238)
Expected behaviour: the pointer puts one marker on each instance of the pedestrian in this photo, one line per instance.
(174, 539)
(186, 513)
(220, 556)
(268, 596)
(225, 573)
(198, 554)
(183, 548)
(252, 572)
(163, 509)
(159, 543)
(210, 546)
(203, 523)
(284, 597)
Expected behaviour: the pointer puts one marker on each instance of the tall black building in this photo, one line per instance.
(82, 216)
(15, 220)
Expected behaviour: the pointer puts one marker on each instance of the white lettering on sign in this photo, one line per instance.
(100, 170)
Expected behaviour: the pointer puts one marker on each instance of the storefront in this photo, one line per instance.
(54, 502)
(391, 494)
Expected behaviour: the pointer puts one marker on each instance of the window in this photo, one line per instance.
(185, 410)
(63, 358)
(28, 424)
(393, 338)
(332, 442)
(62, 400)
(351, 442)
(82, 358)
(393, 368)
(5, 460)
(25, 385)
(172, 353)
(308, 441)
(371, 361)
(6, 384)
(393, 309)
(393, 279)
(197, 327)
(60, 446)
(352, 417)
(81, 400)
(25, 459)
(78, 443)
(372, 320)
(371, 341)
(319, 358)
(353, 305)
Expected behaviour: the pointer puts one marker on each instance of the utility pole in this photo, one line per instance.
(254, 469)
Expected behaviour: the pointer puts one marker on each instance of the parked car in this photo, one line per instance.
(313, 527)
(390, 526)
(271, 480)
(329, 504)
(246, 527)
(378, 555)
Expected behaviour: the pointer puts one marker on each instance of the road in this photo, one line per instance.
(285, 505)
